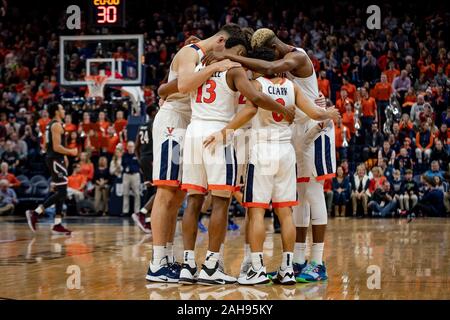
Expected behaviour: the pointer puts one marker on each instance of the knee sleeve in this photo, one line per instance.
(301, 215)
(317, 203)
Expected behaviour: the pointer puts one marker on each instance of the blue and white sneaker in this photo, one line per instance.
(312, 273)
(165, 273)
(297, 270)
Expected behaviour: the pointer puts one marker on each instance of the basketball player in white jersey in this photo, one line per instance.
(276, 184)
(316, 161)
(213, 106)
(168, 134)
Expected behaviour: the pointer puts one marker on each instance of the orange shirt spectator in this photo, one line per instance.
(391, 74)
(70, 127)
(112, 143)
(87, 170)
(77, 181)
(42, 124)
(13, 181)
(369, 107)
(410, 99)
(342, 101)
(119, 125)
(351, 89)
(324, 84)
(382, 91)
(348, 120)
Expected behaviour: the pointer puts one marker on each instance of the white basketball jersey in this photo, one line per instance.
(180, 102)
(269, 126)
(319, 156)
(214, 100)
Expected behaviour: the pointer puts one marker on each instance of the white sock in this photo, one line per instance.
(39, 209)
(57, 221)
(247, 252)
(300, 252)
(148, 220)
(169, 252)
(287, 260)
(211, 259)
(189, 258)
(159, 255)
(144, 211)
(257, 260)
(317, 252)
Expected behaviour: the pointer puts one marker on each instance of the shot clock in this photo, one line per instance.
(107, 13)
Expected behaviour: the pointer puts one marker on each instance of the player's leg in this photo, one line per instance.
(168, 133)
(143, 217)
(204, 212)
(59, 180)
(315, 269)
(220, 167)
(283, 199)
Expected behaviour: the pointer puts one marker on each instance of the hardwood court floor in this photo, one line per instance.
(112, 254)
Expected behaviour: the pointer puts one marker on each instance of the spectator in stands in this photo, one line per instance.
(409, 192)
(102, 183)
(8, 198)
(343, 100)
(373, 141)
(115, 167)
(69, 127)
(435, 171)
(86, 166)
(403, 161)
(424, 143)
(377, 179)
(324, 84)
(31, 140)
(382, 201)
(120, 122)
(360, 184)
(369, 66)
(431, 204)
(76, 184)
(391, 73)
(382, 93)
(369, 108)
(396, 185)
(386, 152)
(341, 192)
(401, 85)
(11, 178)
(12, 125)
(440, 155)
(10, 156)
(349, 87)
(342, 139)
(416, 109)
(131, 179)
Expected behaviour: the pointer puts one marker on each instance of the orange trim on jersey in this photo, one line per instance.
(284, 204)
(187, 186)
(221, 187)
(256, 205)
(167, 183)
(326, 176)
(303, 179)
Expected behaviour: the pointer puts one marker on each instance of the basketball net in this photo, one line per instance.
(96, 84)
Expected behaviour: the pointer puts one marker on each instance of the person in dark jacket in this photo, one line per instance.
(409, 192)
(439, 154)
(431, 204)
(383, 203)
(374, 139)
(341, 192)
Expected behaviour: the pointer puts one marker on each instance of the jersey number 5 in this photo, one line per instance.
(277, 116)
(210, 87)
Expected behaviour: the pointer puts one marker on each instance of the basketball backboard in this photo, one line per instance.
(117, 56)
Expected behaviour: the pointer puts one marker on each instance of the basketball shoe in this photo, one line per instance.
(297, 270)
(214, 276)
(254, 277)
(188, 274)
(313, 272)
(285, 277)
(139, 219)
(32, 219)
(59, 229)
(163, 273)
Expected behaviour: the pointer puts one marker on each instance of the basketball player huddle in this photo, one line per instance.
(241, 109)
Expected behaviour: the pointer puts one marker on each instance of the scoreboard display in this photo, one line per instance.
(107, 13)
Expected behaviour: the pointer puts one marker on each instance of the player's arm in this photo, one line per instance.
(167, 89)
(289, 62)
(253, 93)
(188, 79)
(57, 131)
(311, 110)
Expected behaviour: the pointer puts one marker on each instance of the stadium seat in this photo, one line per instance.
(41, 189)
(22, 178)
(37, 178)
(25, 189)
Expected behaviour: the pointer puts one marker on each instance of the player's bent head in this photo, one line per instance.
(263, 53)
(227, 31)
(238, 45)
(55, 108)
(263, 37)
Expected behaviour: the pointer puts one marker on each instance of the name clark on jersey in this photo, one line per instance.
(278, 91)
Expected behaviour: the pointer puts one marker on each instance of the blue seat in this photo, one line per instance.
(41, 189)
(37, 178)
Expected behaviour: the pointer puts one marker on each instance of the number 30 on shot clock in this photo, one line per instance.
(107, 13)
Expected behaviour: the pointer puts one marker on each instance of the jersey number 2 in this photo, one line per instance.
(210, 87)
(277, 116)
